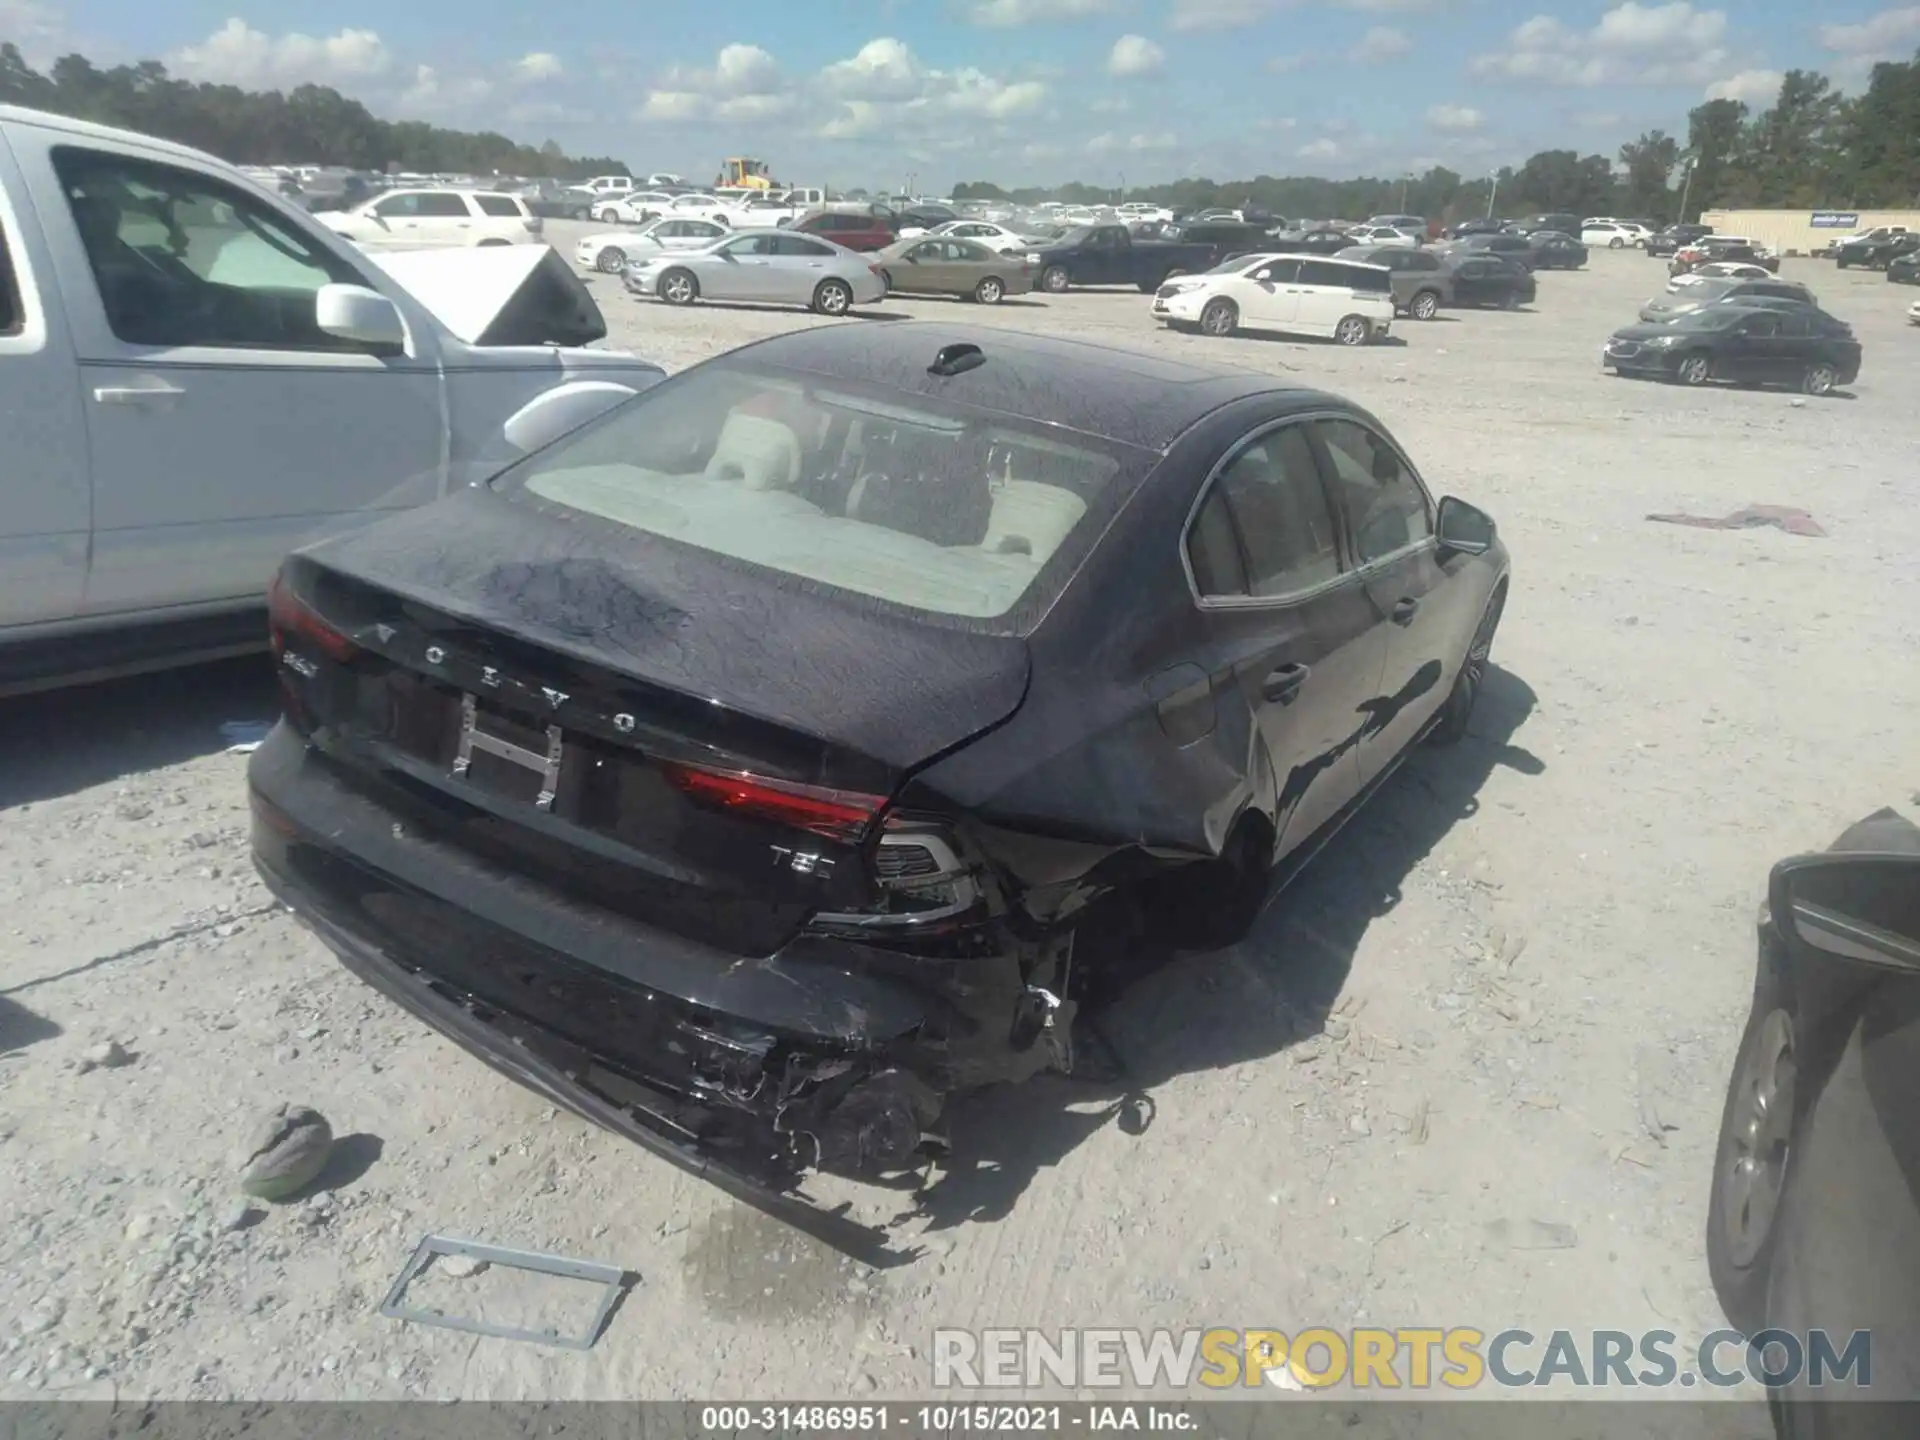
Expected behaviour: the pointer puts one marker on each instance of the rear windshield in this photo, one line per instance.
(947, 511)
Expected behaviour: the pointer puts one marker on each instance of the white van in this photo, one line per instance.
(196, 377)
(1343, 300)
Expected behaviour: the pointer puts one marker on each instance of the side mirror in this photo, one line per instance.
(353, 312)
(553, 413)
(1854, 906)
(1463, 528)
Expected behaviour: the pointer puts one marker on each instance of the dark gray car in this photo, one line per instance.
(1712, 292)
(1422, 279)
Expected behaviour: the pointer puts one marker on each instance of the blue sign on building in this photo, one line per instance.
(1835, 219)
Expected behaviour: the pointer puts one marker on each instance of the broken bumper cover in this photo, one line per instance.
(745, 1071)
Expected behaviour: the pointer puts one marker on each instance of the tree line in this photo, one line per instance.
(1812, 149)
(309, 125)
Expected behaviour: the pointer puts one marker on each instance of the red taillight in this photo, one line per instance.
(290, 619)
(835, 814)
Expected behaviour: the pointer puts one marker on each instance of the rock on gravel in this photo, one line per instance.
(285, 1153)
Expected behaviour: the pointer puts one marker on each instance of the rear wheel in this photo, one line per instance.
(1055, 280)
(608, 216)
(1693, 370)
(678, 287)
(1820, 379)
(1510, 301)
(989, 290)
(1616, 243)
(1221, 317)
(832, 297)
(1425, 305)
(1353, 330)
(610, 261)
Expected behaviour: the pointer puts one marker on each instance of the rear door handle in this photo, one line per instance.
(136, 394)
(1403, 613)
(1284, 684)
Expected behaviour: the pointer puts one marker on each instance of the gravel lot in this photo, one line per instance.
(1509, 992)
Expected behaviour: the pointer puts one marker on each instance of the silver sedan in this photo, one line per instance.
(770, 267)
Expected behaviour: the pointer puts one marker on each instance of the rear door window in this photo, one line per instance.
(1272, 491)
(1384, 505)
(12, 315)
(441, 205)
(498, 205)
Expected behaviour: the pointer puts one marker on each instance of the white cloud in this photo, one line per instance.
(1321, 149)
(1392, 7)
(431, 94)
(1110, 144)
(885, 86)
(1287, 64)
(1220, 14)
(237, 54)
(1890, 35)
(1006, 14)
(1633, 44)
(1757, 88)
(1456, 118)
(1382, 42)
(539, 66)
(1135, 55)
(745, 83)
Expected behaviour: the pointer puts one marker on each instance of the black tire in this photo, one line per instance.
(1752, 1155)
(1055, 280)
(1820, 379)
(1353, 330)
(989, 291)
(1425, 305)
(1694, 369)
(677, 287)
(832, 297)
(608, 216)
(1510, 301)
(1220, 318)
(1838, 263)
(1457, 710)
(611, 260)
(1616, 243)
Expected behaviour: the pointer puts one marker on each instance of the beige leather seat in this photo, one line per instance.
(1031, 518)
(756, 452)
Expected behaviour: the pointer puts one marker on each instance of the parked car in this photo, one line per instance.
(1491, 280)
(770, 267)
(1108, 255)
(1422, 281)
(176, 419)
(1386, 235)
(739, 892)
(1561, 221)
(1876, 254)
(1552, 250)
(1293, 294)
(610, 251)
(1223, 238)
(551, 200)
(988, 233)
(1612, 234)
(1904, 269)
(1813, 1228)
(1878, 232)
(1666, 242)
(1475, 227)
(1913, 313)
(942, 265)
(1799, 346)
(1711, 292)
(636, 208)
(1710, 248)
(1718, 270)
(436, 219)
(1324, 240)
(871, 228)
(1411, 224)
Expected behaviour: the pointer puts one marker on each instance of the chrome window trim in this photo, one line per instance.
(1310, 592)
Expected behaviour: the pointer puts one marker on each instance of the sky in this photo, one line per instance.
(924, 93)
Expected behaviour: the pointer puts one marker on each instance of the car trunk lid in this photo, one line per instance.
(676, 738)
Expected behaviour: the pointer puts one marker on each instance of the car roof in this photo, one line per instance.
(1126, 395)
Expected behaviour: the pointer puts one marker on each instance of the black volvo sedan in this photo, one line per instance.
(740, 768)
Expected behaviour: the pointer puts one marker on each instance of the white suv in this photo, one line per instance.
(432, 219)
(1343, 300)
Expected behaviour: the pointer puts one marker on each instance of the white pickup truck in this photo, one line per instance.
(196, 377)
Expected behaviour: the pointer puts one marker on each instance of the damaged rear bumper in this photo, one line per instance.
(745, 1070)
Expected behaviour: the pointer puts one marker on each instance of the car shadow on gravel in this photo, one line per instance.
(21, 1027)
(64, 741)
(1187, 1012)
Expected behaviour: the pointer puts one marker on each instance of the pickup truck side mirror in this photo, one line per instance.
(553, 413)
(353, 312)
(1465, 529)
(1851, 905)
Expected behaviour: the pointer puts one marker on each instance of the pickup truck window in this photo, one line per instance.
(181, 258)
(12, 317)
